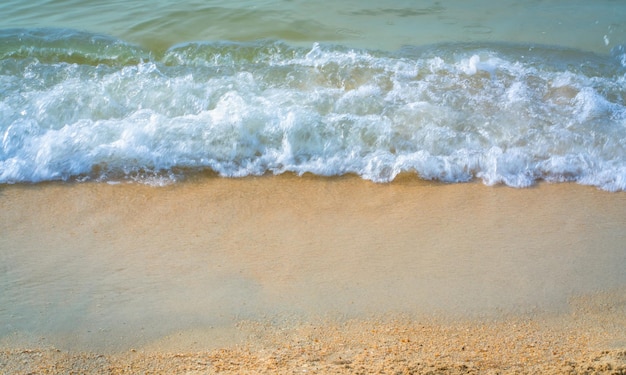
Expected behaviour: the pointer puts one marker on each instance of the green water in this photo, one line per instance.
(589, 25)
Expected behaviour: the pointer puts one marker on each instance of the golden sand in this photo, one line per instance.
(512, 346)
(311, 275)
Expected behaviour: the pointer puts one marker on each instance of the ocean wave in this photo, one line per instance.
(77, 106)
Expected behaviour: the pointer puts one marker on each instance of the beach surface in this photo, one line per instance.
(287, 274)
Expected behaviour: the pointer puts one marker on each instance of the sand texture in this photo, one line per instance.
(311, 275)
(356, 347)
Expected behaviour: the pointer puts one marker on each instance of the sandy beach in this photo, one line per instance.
(286, 274)
(297, 187)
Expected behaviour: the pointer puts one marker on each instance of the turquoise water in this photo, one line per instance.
(506, 92)
(387, 24)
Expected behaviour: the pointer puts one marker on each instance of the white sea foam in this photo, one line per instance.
(503, 113)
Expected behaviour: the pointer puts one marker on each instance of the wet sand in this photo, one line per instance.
(286, 274)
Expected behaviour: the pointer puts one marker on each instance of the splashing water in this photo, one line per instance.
(76, 105)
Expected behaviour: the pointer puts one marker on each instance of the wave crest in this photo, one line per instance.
(507, 114)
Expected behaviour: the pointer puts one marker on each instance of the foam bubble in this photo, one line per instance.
(501, 113)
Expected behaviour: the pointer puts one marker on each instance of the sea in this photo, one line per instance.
(505, 92)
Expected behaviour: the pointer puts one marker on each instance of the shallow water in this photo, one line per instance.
(157, 25)
(155, 92)
(162, 91)
(97, 267)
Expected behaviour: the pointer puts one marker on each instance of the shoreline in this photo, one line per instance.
(520, 346)
(282, 273)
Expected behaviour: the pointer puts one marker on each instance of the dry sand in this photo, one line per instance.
(311, 275)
